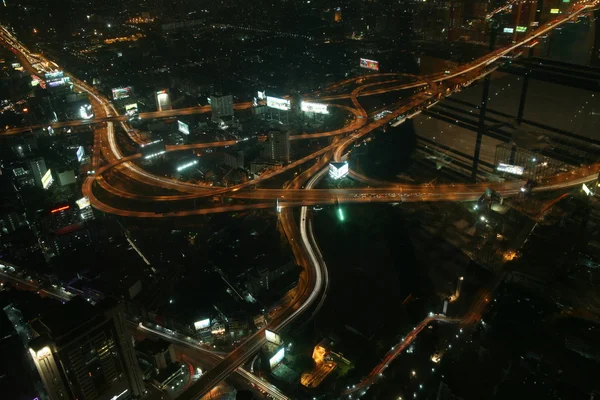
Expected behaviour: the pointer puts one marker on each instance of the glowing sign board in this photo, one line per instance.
(54, 75)
(521, 29)
(317, 108)
(83, 202)
(261, 95)
(47, 179)
(202, 324)
(183, 127)
(554, 11)
(131, 108)
(121, 93)
(586, 189)
(369, 64)
(272, 337)
(509, 30)
(80, 153)
(511, 169)
(280, 104)
(276, 359)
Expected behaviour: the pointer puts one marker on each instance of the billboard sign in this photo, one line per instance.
(183, 127)
(83, 202)
(509, 30)
(586, 189)
(554, 11)
(202, 324)
(131, 108)
(280, 104)
(122, 93)
(272, 337)
(511, 169)
(276, 359)
(261, 95)
(369, 64)
(521, 29)
(47, 179)
(317, 108)
(54, 75)
(80, 153)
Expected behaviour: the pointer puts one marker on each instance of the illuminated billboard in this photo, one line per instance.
(509, 30)
(586, 189)
(131, 108)
(554, 11)
(83, 202)
(54, 75)
(280, 104)
(183, 127)
(369, 64)
(272, 337)
(80, 153)
(47, 179)
(338, 170)
(261, 95)
(521, 29)
(122, 93)
(202, 324)
(276, 359)
(511, 169)
(317, 108)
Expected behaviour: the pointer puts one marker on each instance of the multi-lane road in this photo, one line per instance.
(311, 285)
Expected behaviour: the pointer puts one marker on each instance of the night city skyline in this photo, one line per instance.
(300, 199)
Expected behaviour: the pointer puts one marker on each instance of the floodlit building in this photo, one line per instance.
(85, 352)
(338, 170)
(38, 170)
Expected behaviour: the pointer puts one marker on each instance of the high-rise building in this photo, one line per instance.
(277, 146)
(85, 352)
(39, 170)
(163, 100)
(221, 106)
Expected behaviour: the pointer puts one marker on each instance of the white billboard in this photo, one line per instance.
(47, 179)
(80, 153)
(260, 95)
(272, 337)
(586, 189)
(83, 202)
(511, 169)
(509, 30)
(183, 127)
(318, 108)
(202, 324)
(276, 359)
(280, 104)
